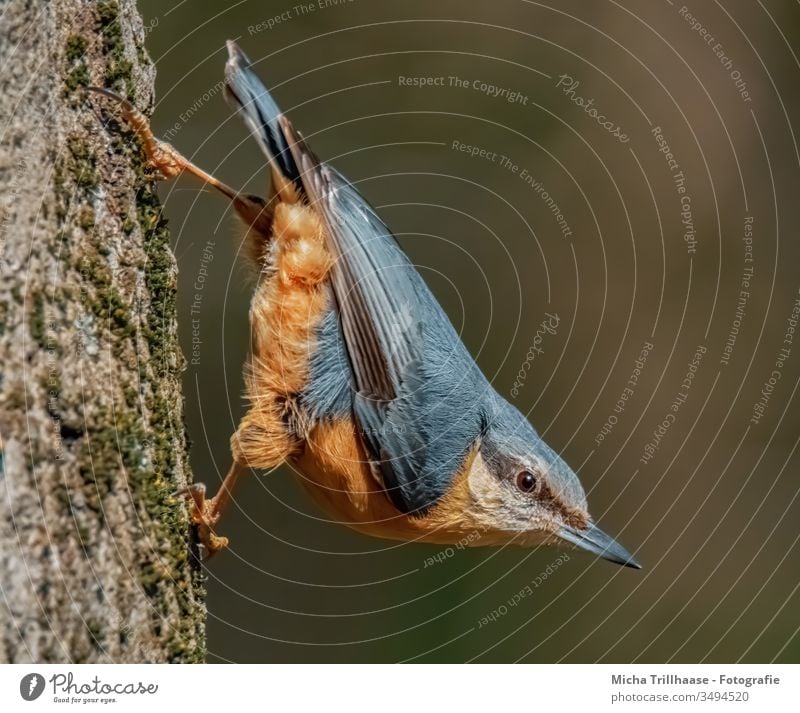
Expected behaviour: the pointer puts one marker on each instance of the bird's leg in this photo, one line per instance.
(168, 162)
(206, 512)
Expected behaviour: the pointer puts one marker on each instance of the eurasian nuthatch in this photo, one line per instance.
(358, 378)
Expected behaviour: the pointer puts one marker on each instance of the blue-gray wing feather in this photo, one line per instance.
(412, 387)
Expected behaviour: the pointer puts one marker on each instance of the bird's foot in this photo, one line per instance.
(162, 157)
(167, 162)
(204, 515)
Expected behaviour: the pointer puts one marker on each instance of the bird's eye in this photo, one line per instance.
(526, 481)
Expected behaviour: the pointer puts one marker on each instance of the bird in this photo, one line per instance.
(356, 376)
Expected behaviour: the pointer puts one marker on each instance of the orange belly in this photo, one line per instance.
(333, 467)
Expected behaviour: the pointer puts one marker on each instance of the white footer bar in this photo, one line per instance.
(385, 688)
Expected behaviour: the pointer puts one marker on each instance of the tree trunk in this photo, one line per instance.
(95, 560)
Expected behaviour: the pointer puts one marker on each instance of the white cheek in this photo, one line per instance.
(500, 514)
(483, 486)
(499, 509)
(498, 505)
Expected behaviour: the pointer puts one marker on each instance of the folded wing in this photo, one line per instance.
(413, 377)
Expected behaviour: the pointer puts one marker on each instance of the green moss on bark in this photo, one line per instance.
(119, 73)
(90, 319)
(37, 320)
(75, 57)
(140, 433)
(166, 357)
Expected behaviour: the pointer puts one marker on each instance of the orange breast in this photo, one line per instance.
(334, 469)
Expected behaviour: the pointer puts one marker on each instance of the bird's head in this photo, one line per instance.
(522, 492)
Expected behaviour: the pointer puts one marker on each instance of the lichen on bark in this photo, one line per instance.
(95, 560)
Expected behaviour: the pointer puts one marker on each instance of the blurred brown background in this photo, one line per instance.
(713, 515)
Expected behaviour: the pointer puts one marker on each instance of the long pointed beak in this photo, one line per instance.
(594, 540)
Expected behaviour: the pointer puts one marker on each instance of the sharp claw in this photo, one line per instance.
(215, 544)
(208, 544)
(190, 490)
(203, 519)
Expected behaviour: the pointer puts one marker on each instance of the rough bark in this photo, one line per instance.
(95, 561)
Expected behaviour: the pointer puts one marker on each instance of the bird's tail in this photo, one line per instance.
(249, 98)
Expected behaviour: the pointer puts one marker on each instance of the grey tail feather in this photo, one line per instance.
(248, 96)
